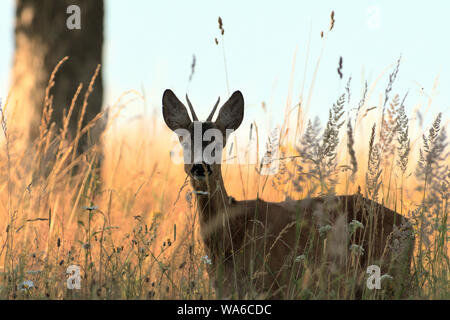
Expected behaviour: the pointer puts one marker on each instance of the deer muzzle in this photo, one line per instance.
(200, 170)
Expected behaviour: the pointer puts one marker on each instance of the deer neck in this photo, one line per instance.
(212, 200)
(211, 196)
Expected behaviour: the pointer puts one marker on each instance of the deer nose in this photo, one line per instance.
(198, 169)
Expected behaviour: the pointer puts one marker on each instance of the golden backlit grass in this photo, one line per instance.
(132, 230)
(132, 227)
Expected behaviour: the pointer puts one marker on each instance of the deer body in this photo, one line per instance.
(261, 249)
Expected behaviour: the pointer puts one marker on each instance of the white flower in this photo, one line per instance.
(26, 285)
(355, 224)
(206, 260)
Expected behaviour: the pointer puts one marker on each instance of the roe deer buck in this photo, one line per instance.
(260, 249)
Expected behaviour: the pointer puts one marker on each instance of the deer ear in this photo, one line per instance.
(174, 112)
(232, 112)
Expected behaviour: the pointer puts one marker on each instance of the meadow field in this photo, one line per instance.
(130, 229)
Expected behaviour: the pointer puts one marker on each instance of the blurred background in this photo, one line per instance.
(271, 52)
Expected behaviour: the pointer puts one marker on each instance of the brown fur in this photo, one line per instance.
(253, 243)
(255, 246)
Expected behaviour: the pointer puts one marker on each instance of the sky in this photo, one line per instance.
(149, 46)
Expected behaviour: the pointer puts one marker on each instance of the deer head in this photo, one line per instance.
(202, 141)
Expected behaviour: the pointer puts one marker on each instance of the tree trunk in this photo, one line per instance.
(42, 39)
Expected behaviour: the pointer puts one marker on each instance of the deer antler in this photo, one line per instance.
(213, 110)
(194, 116)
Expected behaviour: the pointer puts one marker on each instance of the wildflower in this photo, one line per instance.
(206, 260)
(300, 258)
(324, 230)
(401, 237)
(354, 225)
(357, 249)
(26, 285)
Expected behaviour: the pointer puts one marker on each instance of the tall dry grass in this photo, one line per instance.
(132, 227)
